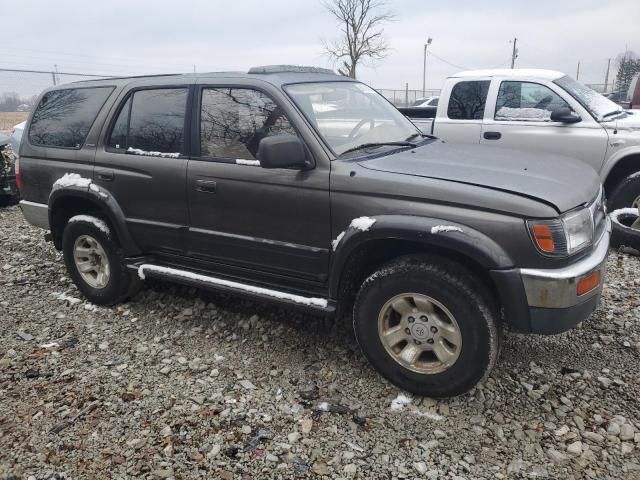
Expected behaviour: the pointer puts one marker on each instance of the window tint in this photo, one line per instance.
(234, 120)
(120, 129)
(151, 120)
(63, 117)
(467, 100)
(525, 101)
(157, 120)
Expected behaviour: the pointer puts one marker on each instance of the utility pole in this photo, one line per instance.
(606, 77)
(424, 66)
(514, 53)
(578, 71)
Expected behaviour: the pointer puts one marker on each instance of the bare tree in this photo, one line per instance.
(361, 25)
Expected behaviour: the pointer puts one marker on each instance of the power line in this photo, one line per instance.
(448, 62)
(57, 73)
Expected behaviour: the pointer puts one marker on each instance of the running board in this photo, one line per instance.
(187, 277)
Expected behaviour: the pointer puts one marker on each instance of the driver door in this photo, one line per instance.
(520, 119)
(246, 219)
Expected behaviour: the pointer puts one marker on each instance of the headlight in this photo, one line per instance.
(563, 236)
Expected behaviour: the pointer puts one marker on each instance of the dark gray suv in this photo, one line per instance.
(295, 185)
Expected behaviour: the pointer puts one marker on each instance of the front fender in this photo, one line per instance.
(427, 231)
(103, 199)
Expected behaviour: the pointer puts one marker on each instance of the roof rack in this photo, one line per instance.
(130, 77)
(289, 68)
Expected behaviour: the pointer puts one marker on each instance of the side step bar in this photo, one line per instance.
(205, 281)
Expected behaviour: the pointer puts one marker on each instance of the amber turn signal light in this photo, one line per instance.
(543, 237)
(588, 283)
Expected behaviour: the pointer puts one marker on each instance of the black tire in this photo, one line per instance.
(461, 293)
(625, 193)
(622, 231)
(120, 280)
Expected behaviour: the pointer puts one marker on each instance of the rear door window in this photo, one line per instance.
(468, 100)
(526, 101)
(151, 121)
(234, 120)
(63, 118)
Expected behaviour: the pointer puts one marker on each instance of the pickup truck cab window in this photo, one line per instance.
(526, 101)
(234, 120)
(350, 114)
(468, 100)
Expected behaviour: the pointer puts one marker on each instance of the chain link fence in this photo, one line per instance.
(406, 97)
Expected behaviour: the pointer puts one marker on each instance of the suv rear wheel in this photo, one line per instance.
(94, 262)
(427, 325)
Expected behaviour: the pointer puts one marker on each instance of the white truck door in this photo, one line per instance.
(520, 118)
(459, 120)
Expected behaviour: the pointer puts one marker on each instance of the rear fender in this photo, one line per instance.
(105, 202)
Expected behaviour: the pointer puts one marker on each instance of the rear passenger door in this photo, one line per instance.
(461, 121)
(143, 164)
(246, 219)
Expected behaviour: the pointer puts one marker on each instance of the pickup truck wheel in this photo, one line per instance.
(93, 260)
(427, 326)
(626, 194)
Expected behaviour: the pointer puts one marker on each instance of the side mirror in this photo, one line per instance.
(564, 115)
(282, 151)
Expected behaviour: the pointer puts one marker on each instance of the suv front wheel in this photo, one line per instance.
(94, 262)
(427, 325)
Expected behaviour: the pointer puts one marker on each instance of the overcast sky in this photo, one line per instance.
(126, 37)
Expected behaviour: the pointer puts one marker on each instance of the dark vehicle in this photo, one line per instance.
(296, 185)
(8, 188)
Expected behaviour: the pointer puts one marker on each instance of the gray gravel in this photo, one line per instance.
(180, 383)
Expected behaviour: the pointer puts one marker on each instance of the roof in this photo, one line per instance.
(512, 73)
(275, 74)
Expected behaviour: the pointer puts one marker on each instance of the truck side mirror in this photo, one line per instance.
(282, 151)
(564, 115)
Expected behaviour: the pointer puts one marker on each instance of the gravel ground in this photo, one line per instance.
(186, 384)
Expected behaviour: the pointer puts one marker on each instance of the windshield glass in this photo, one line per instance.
(597, 105)
(350, 114)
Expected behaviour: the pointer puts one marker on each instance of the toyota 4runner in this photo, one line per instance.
(296, 185)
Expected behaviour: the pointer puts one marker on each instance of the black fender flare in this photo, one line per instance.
(450, 236)
(107, 204)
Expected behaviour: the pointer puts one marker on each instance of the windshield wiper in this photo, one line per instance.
(380, 144)
(612, 113)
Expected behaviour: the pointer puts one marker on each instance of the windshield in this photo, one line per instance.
(350, 114)
(597, 105)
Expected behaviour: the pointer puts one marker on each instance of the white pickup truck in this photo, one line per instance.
(547, 111)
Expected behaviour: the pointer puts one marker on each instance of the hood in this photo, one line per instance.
(562, 182)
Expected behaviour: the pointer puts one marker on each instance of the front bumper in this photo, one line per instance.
(546, 301)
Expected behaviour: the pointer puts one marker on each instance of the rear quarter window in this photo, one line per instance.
(468, 100)
(63, 118)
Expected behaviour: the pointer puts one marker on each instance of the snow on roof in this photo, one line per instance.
(513, 73)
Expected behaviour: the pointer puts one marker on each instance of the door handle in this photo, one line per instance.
(106, 175)
(492, 135)
(206, 186)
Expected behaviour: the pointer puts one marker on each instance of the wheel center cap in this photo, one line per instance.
(420, 331)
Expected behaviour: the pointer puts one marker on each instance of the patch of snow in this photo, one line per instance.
(253, 163)
(311, 301)
(94, 188)
(523, 114)
(362, 223)
(445, 228)
(96, 222)
(336, 242)
(400, 401)
(72, 180)
(323, 407)
(50, 345)
(625, 211)
(64, 297)
(218, 358)
(430, 415)
(138, 151)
